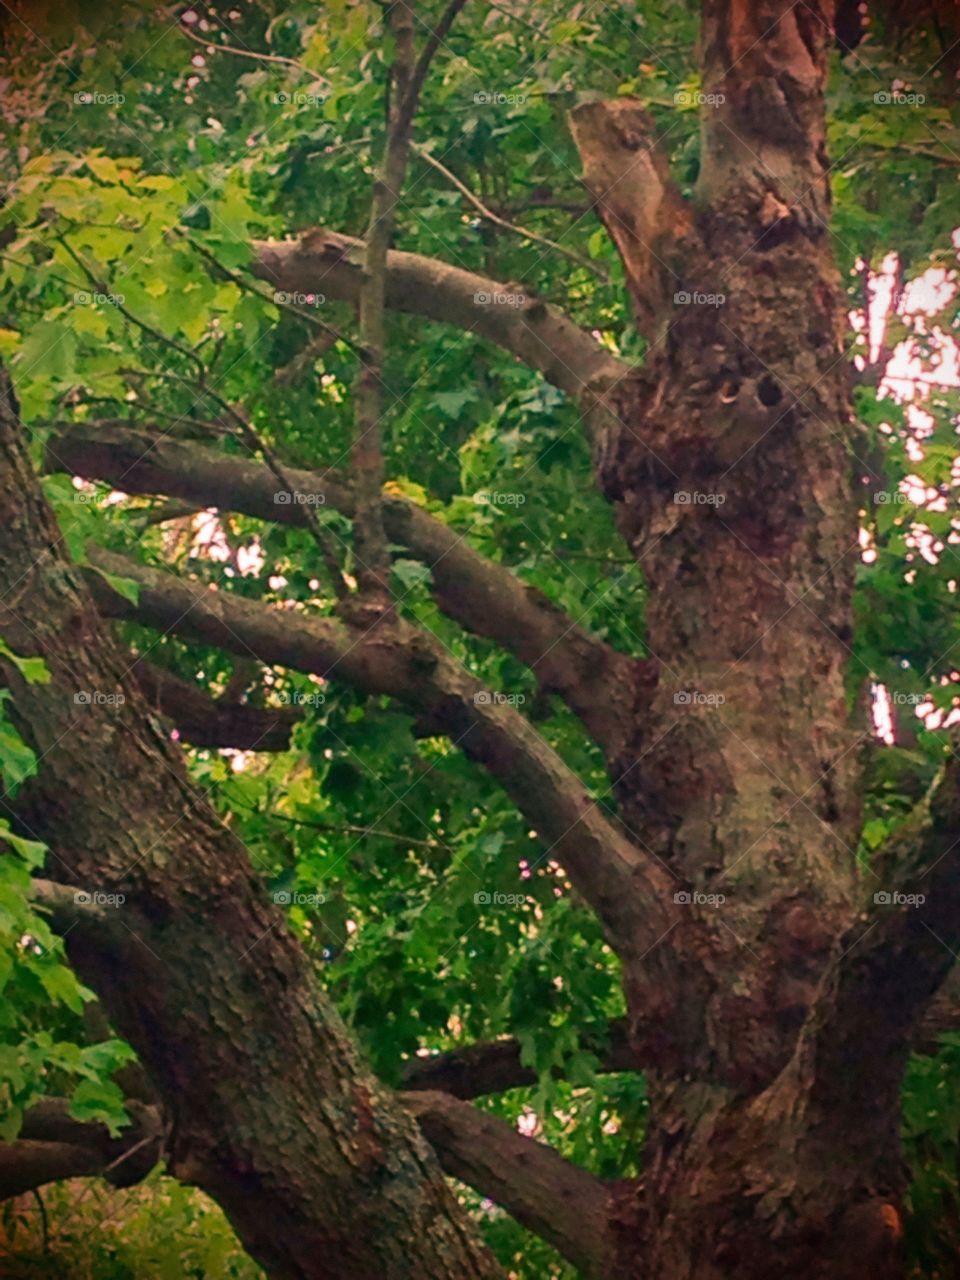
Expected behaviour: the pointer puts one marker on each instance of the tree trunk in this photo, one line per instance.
(268, 1107)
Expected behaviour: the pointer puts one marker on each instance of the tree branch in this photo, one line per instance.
(52, 1146)
(537, 332)
(564, 1205)
(891, 963)
(494, 1066)
(632, 894)
(366, 455)
(597, 683)
(204, 721)
(636, 198)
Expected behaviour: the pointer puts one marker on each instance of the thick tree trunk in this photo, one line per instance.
(269, 1109)
(730, 468)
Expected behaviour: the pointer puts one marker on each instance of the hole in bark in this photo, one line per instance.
(769, 392)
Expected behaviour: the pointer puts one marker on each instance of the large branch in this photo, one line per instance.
(548, 1195)
(538, 333)
(600, 685)
(631, 893)
(52, 1146)
(641, 206)
(494, 1066)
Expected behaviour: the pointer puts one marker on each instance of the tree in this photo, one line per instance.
(662, 841)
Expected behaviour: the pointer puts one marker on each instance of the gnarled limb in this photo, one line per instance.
(564, 1205)
(537, 332)
(603, 687)
(640, 204)
(631, 893)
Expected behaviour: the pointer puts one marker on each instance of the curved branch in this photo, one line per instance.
(632, 894)
(538, 333)
(561, 1203)
(494, 1066)
(599, 684)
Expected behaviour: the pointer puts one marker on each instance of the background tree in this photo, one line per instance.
(575, 807)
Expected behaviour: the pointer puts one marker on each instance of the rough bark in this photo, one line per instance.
(198, 971)
(631, 893)
(603, 687)
(561, 1203)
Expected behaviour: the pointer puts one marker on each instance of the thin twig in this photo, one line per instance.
(347, 829)
(245, 430)
(488, 213)
(277, 58)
